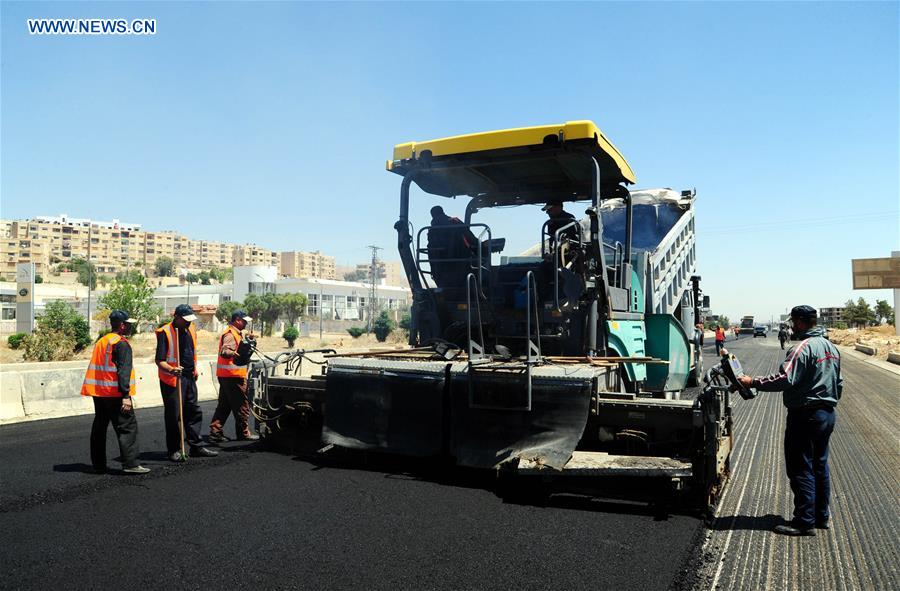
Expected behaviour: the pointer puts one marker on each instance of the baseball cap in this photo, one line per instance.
(553, 203)
(803, 312)
(185, 312)
(240, 314)
(119, 317)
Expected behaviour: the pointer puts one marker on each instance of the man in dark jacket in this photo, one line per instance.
(110, 382)
(176, 358)
(811, 382)
(450, 246)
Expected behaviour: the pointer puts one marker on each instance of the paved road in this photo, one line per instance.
(253, 518)
(862, 550)
(258, 519)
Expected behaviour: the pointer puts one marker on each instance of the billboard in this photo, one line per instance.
(883, 273)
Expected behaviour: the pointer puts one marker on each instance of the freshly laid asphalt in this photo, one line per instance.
(254, 518)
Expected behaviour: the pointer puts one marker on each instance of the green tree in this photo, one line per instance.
(129, 276)
(203, 277)
(859, 313)
(384, 325)
(164, 266)
(192, 278)
(274, 307)
(87, 273)
(292, 306)
(256, 307)
(133, 295)
(884, 312)
(722, 320)
(38, 279)
(226, 309)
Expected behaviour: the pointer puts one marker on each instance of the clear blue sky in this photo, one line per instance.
(271, 122)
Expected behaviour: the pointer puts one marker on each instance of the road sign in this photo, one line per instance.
(883, 273)
(25, 297)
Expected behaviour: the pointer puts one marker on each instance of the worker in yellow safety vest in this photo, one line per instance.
(109, 381)
(176, 358)
(232, 384)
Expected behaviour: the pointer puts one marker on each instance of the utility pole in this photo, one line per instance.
(373, 287)
(89, 274)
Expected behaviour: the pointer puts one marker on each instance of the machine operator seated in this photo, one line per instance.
(451, 246)
(569, 239)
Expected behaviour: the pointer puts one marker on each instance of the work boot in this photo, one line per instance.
(177, 456)
(137, 469)
(792, 528)
(203, 452)
(823, 524)
(217, 438)
(248, 436)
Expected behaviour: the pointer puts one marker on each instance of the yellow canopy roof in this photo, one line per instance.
(526, 163)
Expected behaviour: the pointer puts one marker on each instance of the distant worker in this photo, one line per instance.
(176, 358)
(811, 382)
(720, 339)
(699, 333)
(782, 335)
(559, 218)
(232, 384)
(450, 246)
(737, 332)
(109, 380)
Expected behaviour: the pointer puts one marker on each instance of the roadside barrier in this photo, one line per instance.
(894, 357)
(867, 349)
(30, 391)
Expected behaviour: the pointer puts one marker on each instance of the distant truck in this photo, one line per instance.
(747, 325)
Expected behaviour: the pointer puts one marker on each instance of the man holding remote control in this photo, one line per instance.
(811, 382)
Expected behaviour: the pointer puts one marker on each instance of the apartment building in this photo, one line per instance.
(115, 246)
(246, 255)
(307, 264)
(831, 316)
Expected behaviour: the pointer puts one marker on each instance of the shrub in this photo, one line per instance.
(103, 332)
(356, 331)
(59, 316)
(49, 345)
(405, 321)
(383, 326)
(15, 340)
(290, 334)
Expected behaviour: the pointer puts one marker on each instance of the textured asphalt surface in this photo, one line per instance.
(861, 551)
(269, 520)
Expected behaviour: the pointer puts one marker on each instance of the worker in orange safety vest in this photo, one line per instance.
(176, 358)
(109, 381)
(232, 384)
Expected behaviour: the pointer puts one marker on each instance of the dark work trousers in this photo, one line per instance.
(806, 459)
(719, 346)
(106, 411)
(193, 416)
(232, 400)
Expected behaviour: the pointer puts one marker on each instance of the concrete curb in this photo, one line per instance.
(34, 393)
(867, 349)
(894, 358)
(849, 351)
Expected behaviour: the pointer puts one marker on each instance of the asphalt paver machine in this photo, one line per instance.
(562, 366)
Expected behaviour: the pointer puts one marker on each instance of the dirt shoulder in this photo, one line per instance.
(881, 337)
